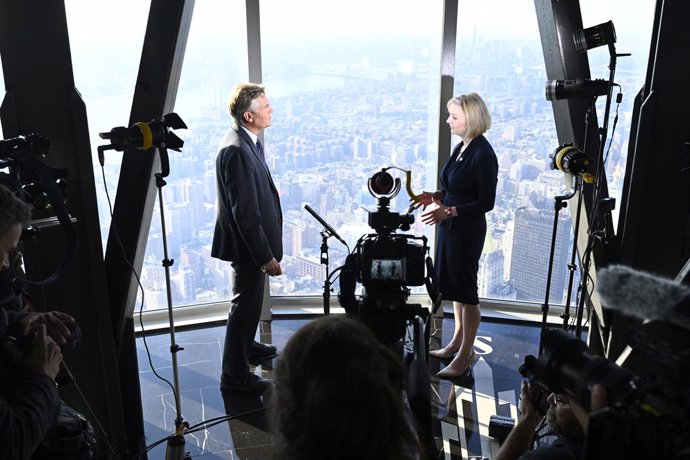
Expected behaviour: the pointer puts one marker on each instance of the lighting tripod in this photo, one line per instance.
(144, 136)
(176, 444)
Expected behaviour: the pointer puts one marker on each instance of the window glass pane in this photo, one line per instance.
(353, 91)
(215, 59)
(502, 60)
(105, 59)
(633, 22)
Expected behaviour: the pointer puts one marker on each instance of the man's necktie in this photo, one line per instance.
(260, 146)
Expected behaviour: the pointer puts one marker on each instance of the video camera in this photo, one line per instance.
(41, 186)
(24, 157)
(386, 264)
(645, 417)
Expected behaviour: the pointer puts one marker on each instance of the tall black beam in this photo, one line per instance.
(654, 228)
(448, 44)
(449, 40)
(154, 96)
(40, 98)
(654, 223)
(254, 62)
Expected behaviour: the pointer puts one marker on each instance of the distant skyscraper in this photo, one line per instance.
(508, 238)
(530, 258)
(490, 273)
(192, 258)
(185, 284)
(193, 192)
(309, 267)
(292, 237)
(361, 148)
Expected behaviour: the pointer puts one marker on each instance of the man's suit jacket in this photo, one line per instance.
(249, 223)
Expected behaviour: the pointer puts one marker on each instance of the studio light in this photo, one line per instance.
(575, 89)
(569, 159)
(592, 37)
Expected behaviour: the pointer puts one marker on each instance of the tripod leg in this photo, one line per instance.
(419, 385)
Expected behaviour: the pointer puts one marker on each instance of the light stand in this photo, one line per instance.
(573, 254)
(176, 444)
(603, 132)
(560, 203)
(326, 233)
(144, 136)
(585, 39)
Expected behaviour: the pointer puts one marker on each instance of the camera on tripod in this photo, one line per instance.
(645, 417)
(387, 264)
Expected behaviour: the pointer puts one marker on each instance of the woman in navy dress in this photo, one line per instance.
(468, 191)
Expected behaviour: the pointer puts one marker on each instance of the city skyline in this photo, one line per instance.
(308, 158)
(344, 109)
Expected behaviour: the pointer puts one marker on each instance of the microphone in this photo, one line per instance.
(328, 228)
(639, 294)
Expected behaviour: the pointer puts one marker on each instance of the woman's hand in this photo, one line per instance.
(436, 215)
(427, 198)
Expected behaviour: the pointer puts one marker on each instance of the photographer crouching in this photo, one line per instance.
(564, 417)
(30, 354)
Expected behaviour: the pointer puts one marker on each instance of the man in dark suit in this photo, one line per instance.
(248, 233)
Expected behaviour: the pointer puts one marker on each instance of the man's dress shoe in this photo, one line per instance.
(249, 383)
(260, 352)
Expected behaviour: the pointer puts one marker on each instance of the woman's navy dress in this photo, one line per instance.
(469, 184)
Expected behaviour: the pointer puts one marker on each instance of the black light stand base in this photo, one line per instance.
(175, 449)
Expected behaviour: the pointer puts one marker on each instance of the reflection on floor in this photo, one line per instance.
(460, 410)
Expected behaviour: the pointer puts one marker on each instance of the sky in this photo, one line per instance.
(503, 18)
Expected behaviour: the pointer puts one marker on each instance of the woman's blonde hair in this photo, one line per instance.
(478, 118)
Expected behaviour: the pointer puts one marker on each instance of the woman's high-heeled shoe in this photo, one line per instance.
(442, 354)
(448, 373)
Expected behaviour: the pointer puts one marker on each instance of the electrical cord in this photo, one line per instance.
(199, 426)
(141, 287)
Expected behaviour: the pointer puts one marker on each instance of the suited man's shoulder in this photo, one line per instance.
(233, 145)
(232, 138)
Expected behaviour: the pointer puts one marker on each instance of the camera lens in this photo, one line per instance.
(567, 366)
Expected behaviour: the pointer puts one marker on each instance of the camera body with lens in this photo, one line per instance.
(646, 417)
(386, 264)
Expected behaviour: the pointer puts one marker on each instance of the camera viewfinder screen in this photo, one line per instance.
(388, 269)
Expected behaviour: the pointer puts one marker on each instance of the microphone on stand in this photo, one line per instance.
(325, 224)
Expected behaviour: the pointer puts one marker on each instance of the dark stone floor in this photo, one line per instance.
(460, 410)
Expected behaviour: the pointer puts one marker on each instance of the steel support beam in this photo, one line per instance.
(41, 98)
(165, 40)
